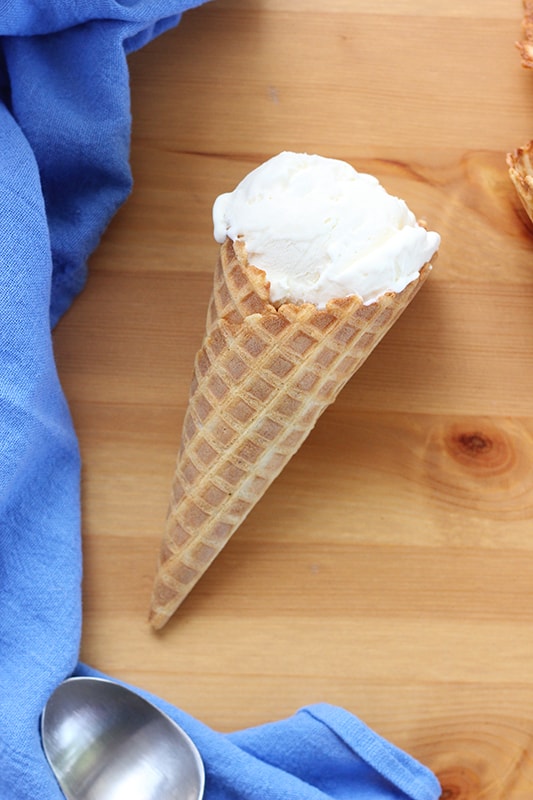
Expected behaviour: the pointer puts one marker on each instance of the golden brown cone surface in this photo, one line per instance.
(521, 173)
(261, 379)
(525, 46)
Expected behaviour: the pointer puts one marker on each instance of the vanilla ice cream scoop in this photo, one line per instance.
(320, 230)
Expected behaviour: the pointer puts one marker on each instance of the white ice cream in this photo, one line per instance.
(320, 230)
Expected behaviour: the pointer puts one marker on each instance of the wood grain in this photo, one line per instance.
(390, 568)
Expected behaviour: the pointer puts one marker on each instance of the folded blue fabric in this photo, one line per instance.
(64, 171)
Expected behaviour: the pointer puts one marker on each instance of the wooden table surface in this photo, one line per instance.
(389, 569)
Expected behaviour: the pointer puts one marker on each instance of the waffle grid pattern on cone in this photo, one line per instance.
(261, 380)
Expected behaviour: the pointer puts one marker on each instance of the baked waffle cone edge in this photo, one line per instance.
(520, 164)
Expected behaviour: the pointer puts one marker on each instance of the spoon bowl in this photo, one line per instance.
(104, 741)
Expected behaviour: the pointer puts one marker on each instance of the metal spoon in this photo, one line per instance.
(103, 741)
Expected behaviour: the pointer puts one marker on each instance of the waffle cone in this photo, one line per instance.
(520, 165)
(525, 45)
(262, 378)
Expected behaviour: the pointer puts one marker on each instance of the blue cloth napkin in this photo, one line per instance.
(64, 171)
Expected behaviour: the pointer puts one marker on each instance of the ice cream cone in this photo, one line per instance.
(262, 378)
(520, 165)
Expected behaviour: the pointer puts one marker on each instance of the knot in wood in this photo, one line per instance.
(459, 784)
(483, 450)
(475, 444)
